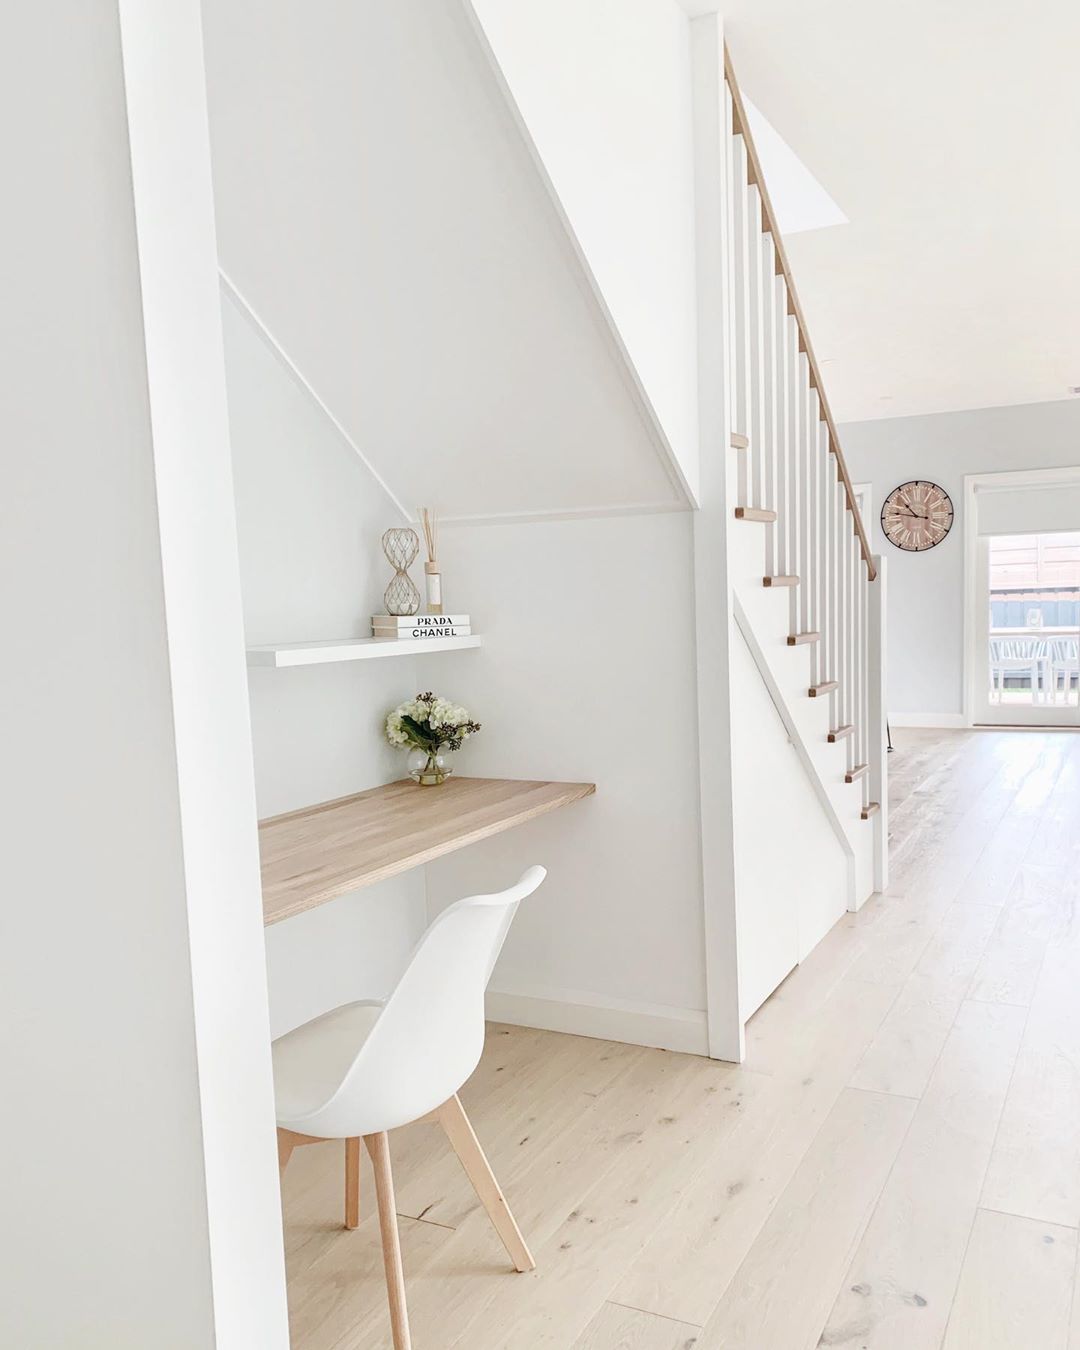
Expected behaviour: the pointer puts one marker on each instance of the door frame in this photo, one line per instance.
(1051, 716)
(974, 484)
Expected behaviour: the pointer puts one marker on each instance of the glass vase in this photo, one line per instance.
(429, 768)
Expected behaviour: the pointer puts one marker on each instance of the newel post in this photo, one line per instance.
(878, 730)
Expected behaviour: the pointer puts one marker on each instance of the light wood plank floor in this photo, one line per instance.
(895, 1167)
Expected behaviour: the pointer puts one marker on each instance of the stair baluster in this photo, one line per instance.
(816, 544)
(739, 288)
(759, 358)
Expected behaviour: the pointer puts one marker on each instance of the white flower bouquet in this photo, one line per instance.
(431, 725)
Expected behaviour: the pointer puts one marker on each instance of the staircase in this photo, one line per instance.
(806, 593)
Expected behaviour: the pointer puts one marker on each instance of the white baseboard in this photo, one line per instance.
(949, 721)
(607, 1019)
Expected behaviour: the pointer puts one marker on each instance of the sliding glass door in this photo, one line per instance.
(1028, 629)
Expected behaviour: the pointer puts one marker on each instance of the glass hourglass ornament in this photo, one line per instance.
(401, 546)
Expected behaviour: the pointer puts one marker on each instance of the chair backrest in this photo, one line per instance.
(1018, 649)
(1065, 650)
(430, 1034)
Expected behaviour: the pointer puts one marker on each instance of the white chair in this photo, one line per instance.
(1028, 655)
(1064, 664)
(366, 1068)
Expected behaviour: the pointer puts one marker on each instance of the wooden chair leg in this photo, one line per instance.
(352, 1183)
(287, 1140)
(465, 1144)
(378, 1145)
(285, 1146)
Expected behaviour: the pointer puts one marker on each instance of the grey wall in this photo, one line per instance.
(926, 601)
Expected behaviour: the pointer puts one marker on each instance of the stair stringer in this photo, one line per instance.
(764, 617)
(795, 735)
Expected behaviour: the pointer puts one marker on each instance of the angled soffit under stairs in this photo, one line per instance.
(382, 212)
(604, 93)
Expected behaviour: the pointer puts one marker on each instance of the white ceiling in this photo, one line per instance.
(949, 135)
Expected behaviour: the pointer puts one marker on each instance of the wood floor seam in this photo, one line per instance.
(1030, 1218)
(419, 1218)
(882, 1092)
(651, 1312)
(995, 1002)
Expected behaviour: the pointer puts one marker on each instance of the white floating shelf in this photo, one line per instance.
(281, 654)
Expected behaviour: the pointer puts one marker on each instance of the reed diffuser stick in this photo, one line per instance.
(430, 524)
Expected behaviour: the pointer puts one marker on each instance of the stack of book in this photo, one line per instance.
(421, 626)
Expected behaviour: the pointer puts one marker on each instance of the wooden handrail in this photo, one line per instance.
(742, 127)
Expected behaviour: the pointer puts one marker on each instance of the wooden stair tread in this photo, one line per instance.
(838, 733)
(801, 639)
(870, 809)
(859, 771)
(826, 687)
(754, 513)
(739, 441)
(779, 581)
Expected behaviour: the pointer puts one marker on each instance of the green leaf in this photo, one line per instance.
(418, 732)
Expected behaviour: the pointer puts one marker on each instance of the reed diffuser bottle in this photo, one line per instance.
(432, 574)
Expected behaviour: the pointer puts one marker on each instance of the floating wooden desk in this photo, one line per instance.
(314, 855)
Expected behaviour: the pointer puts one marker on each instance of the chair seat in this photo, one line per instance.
(311, 1062)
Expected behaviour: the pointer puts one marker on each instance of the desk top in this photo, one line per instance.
(318, 853)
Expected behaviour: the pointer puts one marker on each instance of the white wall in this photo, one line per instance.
(587, 673)
(605, 92)
(134, 1029)
(379, 208)
(925, 601)
(309, 517)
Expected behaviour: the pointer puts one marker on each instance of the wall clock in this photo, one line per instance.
(916, 516)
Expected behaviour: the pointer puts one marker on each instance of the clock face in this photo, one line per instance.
(916, 516)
